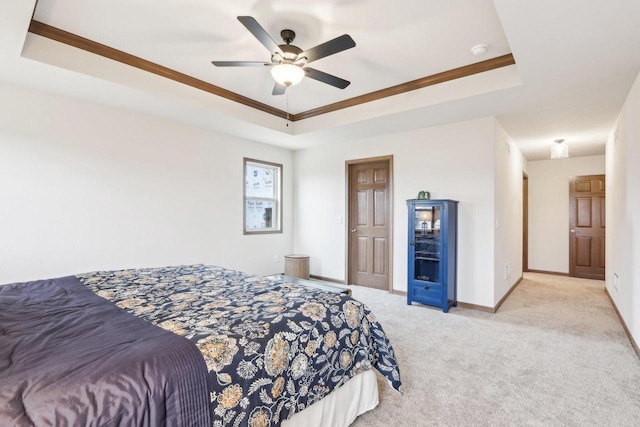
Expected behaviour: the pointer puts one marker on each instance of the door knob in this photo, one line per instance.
(572, 231)
(353, 230)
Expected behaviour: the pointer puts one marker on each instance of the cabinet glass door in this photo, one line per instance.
(427, 244)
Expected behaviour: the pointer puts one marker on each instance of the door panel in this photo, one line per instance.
(380, 176)
(362, 208)
(361, 255)
(583, 251)
(369, 222)
(584, 211)
(583, 186)
(380, 208)
(587, 226)
(379, 256)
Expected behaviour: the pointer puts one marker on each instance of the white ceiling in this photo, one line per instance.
(576, 61)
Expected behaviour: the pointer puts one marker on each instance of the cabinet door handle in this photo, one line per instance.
(353, 230)
(412, 243)
(426, 288)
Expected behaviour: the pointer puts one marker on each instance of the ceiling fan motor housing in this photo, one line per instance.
(290, 51)
(288, 36)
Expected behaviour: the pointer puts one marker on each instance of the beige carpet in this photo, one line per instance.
(555, 354)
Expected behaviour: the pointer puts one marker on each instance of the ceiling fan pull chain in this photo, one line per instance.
(287, 95)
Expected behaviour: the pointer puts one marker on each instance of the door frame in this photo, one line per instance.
(347, 167)
(525, 222)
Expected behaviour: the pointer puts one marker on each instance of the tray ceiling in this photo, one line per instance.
(395, 43)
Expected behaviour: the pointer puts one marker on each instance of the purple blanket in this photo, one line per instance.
(70, 358)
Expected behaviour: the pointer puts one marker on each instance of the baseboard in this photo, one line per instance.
(476, 307)
(459, 304)
(507, 294)
(556, 273)
(634, 344)
(490, 309)
(326, 279)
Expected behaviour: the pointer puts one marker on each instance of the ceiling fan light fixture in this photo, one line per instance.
(287, 74)
(559, 150)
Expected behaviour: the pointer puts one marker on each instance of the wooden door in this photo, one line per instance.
(587, 226)
(369, 224)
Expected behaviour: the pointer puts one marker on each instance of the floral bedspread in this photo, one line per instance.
(272, 348)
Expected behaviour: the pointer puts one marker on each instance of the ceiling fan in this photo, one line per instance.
(288, 62)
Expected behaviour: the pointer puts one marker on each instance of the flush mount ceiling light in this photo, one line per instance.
(479, 49)
(559, 149)
(287, 74)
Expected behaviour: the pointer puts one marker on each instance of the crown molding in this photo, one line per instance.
(91, 46)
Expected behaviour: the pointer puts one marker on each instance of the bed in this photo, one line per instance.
(186, 345)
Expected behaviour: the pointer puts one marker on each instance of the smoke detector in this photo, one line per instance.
(479, 49)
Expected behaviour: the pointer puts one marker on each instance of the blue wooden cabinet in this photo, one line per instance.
(433, 248)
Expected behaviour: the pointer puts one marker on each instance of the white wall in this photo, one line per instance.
(86, 187)
(549, 209)
(509, 165)
(453, 161)
(623, 207)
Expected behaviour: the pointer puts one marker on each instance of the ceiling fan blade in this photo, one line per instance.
(260, 33)
(329, 79)
(336, 45)
(240, 64)
(278, 89)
